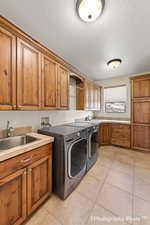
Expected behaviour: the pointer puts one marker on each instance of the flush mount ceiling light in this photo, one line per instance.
(114, 63)
(90, 10)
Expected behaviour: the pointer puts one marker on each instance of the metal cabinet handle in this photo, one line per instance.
(30, 170)
(5, 72)
(26, 160)
(14, 106)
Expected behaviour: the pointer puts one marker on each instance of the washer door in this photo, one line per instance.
(77, 157)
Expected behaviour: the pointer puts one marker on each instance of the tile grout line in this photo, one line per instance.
(118, 188)
(94, 203)
(133, 190)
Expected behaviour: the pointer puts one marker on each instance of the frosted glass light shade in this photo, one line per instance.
(115, 63)
(90, 10)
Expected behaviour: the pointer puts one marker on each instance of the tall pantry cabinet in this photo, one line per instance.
(140, 112)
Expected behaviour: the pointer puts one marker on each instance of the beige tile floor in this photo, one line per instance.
(115, 190)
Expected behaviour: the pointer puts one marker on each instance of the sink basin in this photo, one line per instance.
(12, 142)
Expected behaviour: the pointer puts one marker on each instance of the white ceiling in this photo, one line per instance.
(123, 31)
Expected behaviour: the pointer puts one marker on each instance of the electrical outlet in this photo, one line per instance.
(45, 121)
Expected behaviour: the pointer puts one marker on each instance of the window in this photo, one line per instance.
(115, 99)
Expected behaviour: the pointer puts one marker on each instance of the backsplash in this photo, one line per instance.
(32, 118)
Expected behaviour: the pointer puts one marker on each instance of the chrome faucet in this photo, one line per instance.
(88, 118)
(9, 129)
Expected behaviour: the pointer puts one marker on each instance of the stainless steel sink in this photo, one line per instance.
(12, 142)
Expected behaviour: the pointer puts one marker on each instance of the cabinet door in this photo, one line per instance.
(49, 83)
(141, 137)
(81, 96)
(63, 88)
(39, 182)
(7, 70)
(141, 88)
(120, 135)
(13, 198)
(141, 111)
(28, 77)
(105, 131)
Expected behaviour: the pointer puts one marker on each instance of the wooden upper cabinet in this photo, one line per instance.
(62, 88)
(105, 133)
(28, 77)
(80, 96)
(93, 96)
(39, 182)
(88, 96)
(89, 89)
(96, 98)
(13, 198)
(141, 88)
(49, 83)
(7, 70)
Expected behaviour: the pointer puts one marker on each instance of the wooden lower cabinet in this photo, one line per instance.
(141, 137)
(23, 191)
(13, 198)
(105, 133)
(39, 183)
(115, 134)
(120, 135)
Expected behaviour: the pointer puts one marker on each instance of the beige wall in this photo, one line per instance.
(114, 82)
(29, 118)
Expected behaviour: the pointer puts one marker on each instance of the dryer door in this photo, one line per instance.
(93, 145)
(77, 157)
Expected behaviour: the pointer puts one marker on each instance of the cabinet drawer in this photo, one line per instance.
(12, 165)
(122, 142)
(121, 135)
(120, 127)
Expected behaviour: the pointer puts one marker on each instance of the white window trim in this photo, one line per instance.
(126, 106)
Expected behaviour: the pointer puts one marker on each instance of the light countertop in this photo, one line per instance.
(42, 140)
(112, 121)
(99, 121)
